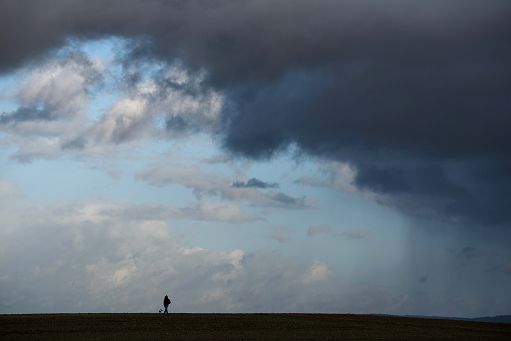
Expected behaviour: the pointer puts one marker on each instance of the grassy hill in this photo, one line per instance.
(242, 326)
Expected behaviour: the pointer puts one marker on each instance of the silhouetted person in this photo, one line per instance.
(166, 303)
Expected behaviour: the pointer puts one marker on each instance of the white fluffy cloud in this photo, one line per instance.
(61, 86)
(318, 272)
(97, 258)
(167, 104)
(55, 100)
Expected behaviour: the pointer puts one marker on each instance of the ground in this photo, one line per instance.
(242, 327)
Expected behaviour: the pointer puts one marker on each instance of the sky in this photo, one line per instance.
(256, 156)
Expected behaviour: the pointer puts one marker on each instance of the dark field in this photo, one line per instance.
(242, 327)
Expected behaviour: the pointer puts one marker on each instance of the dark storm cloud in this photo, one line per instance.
(415, 94)
(238, 40)
(254, 183)
(467, 253)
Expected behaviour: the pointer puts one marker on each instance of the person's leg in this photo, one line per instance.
(166, 311)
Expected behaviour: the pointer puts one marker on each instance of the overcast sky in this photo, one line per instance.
(347, 156)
